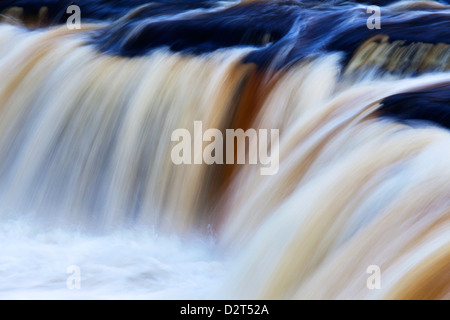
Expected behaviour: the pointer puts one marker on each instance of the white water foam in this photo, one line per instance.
(125, 264)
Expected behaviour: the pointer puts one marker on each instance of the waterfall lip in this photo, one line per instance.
(237, 25)
(279, 33)
(294, 31)
(420, 107)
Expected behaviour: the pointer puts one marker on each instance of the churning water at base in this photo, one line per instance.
(126, 264)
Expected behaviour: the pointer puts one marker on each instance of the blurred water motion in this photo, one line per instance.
(86, 176)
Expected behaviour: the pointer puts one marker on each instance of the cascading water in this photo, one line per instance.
(86, 136)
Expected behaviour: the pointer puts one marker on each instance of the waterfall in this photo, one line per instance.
(87, 177)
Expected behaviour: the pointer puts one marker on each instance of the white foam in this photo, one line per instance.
(125, 264)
